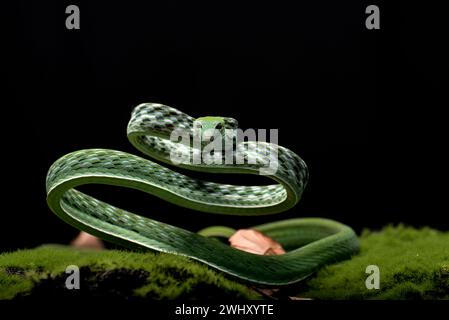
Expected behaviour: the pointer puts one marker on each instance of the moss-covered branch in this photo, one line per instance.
(413, 264)
(130, 275)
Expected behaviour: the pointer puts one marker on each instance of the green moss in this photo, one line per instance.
(413, 264)
(41, 271)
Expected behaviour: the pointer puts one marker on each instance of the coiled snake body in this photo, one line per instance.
(310, 242)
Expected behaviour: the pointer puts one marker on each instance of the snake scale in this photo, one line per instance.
(310, 243)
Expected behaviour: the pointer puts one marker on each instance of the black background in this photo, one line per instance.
(363, 108)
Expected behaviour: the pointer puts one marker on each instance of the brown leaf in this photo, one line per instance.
(256, 242)
(87, 241)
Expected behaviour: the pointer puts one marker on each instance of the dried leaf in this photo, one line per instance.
(256, 242)
(87, 241)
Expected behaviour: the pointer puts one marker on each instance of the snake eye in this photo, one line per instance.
(219, 126)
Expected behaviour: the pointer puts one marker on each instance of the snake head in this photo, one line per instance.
(210, 128)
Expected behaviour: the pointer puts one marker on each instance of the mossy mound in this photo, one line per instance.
(413, 264)
(41, 273)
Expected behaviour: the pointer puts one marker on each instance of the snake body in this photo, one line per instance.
(310, 242)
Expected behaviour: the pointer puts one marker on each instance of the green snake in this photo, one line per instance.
(310, 243)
